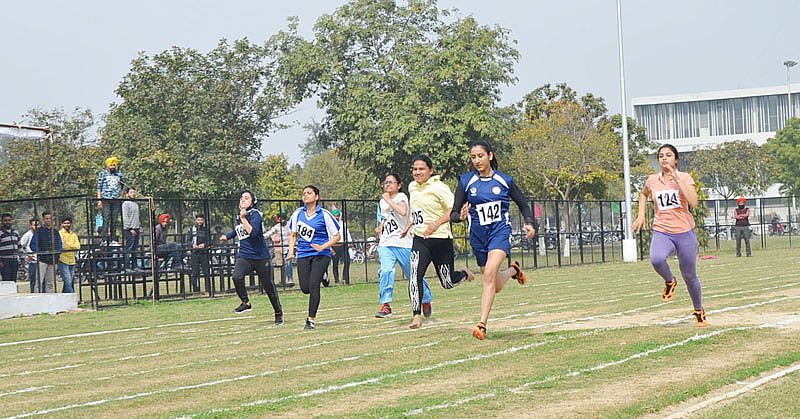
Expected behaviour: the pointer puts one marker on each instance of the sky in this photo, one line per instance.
(74, 54)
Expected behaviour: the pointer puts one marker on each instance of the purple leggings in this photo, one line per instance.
(661, 247)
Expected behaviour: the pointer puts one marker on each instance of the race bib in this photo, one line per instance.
(390, 227)
(488, 213)
(305, 231)
(668, 199)
(416, 218)
(241, 233)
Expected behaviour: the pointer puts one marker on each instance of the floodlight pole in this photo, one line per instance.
(629, 243)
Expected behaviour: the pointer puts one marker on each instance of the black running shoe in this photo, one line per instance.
(325, 281)
(243, 308)
(278, 319)
(310, 325)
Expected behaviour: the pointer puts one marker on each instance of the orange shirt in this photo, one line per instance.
(671, 208)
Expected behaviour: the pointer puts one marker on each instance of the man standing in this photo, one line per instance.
(198, 238)
(46, 243)
(167, 251)
(67, 261)
(131, 227)
(742, 228)
(30, 258)
(109, 193)
(341, 252)
(10, 249)
(279, 236)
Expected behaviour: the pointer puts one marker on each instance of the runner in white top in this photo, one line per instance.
(394, 247)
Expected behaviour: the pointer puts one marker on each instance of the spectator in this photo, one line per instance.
(341, 252)
(30, 257)
(167, 251)
(279, 236)
(742, 228)
(109, 193)
(198, 238)
(46, 243)
(67, 261)
(10, 249)
(131, 229)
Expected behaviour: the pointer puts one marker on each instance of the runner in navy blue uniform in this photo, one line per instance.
(253, 255)
(314, 230)
(484, 195)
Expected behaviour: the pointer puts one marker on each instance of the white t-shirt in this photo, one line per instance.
(394, 223)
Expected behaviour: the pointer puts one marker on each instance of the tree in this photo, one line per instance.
(318, 140)
(74, 156)
(398, 80)
(191, 124)
(733, 168)
(566, 147)
(337, 178)
(277, 180)
(784, 151)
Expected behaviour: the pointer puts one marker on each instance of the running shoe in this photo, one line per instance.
(669, 290)
(479, 331)
(243, 308)
(279, 319)
(520, 275)
(426, 310)
(384, 312)
(325, 281)
(700, 318)
(310, 325)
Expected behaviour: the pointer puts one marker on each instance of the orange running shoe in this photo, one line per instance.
(669, 290)
(520, 275)
(479, 331)
(700, 318)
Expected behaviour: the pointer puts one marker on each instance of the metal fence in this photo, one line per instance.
(570, 233)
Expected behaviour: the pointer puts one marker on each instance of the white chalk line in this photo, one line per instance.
(223, 381)
(557, 323)
(524, 387)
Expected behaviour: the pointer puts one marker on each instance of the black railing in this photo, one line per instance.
(570, 233)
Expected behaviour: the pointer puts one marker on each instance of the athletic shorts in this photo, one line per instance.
(482, 245)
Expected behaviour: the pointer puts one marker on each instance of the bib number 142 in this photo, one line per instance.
(488, 213)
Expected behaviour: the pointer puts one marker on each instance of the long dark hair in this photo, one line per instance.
(488, 149)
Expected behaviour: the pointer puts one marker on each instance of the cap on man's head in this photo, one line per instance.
(112, 161)
(163, 217)
(336, 212)
(740, 200)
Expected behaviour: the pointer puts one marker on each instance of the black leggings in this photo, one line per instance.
(310, 271)
(423, 252)
(262, 268)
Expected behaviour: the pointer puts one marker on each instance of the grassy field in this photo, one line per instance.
(583, 341)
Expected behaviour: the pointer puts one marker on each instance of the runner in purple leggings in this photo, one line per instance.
(673, 227)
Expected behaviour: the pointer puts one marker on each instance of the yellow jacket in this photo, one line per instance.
(429, 202)
(70, 246)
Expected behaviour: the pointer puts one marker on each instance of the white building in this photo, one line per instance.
(700, 120)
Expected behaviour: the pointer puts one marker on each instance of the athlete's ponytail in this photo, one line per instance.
(488, 149)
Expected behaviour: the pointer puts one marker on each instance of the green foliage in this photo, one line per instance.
(74, 156)
(784, 151)
(191, 124)
(701, 211)
(566, 147)
(337, 178)
(398, 80)
(733, 168)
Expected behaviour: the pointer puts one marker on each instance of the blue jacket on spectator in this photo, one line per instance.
(41, 242)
